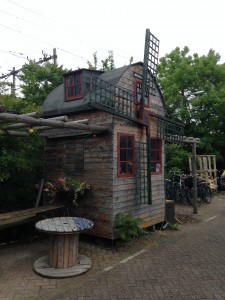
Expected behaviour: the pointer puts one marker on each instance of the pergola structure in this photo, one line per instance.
(45, 128)
(22, 123)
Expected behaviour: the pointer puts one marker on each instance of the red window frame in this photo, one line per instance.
(126, 155)
(137, 94)
(156, 156)
(73, 86)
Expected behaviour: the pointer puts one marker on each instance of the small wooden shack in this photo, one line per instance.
(121, 155)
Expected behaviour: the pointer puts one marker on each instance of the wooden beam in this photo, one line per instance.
(13, 132)
(57, 133)
(191, 140)
(52, 123)
(21, 125)
(31, 114)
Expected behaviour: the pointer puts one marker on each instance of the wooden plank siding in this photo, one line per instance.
(94, 158)
(124, 188)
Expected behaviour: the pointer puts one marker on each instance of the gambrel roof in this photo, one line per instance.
(55, 103)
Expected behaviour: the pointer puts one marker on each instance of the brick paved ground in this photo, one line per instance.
(184, 264)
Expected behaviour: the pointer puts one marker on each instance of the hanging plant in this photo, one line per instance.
(67, 188)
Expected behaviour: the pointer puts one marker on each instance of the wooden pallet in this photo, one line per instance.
(206, 168)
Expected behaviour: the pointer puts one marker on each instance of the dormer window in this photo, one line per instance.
(73, 86)
(137, 94)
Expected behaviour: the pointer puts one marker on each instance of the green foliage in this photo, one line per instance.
(39, 80)
(172, 227)
(193, 87)
(128, 227)
(21, 165)
(5, 87)
(17, 105)
(176, 159)
(73, 187)
(107, 63)
(21, 158)
(93, 66)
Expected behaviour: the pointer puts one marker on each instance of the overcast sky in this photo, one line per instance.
(79, 28)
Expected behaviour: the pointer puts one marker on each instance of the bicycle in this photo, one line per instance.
(220, 181)
(204, 193)
(176, 189)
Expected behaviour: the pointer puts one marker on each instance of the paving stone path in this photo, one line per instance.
(184, 264)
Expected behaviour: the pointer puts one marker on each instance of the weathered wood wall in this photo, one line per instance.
(94, 158)
(89, 158)
(124, 188)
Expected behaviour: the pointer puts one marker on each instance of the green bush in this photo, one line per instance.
(128, 227)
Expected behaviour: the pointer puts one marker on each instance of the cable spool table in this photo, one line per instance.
(63, 259)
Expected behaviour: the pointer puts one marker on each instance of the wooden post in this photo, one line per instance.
(194, 174)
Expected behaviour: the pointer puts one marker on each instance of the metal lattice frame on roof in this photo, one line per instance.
(151, 54)
(111, 98)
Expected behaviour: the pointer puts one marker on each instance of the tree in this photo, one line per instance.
(93, 66)
(39, 80)
(193, 87)
(107, 63)
(21, 159)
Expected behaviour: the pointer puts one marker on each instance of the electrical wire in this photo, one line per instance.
(58, 22)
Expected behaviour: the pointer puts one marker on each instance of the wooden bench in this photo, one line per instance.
(23, 216)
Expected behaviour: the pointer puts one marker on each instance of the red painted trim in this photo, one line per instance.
(160, 159)
(126, 174)
(73, 97)
(136, 82)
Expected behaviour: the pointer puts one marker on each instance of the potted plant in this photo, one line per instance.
(66, 189)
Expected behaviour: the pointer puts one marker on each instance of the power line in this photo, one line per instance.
(40, 61)
(53, 21)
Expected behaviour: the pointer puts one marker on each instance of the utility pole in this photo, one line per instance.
(194, 174)
(14, 72)
(193, 167)
(54, 56)
(13, 88)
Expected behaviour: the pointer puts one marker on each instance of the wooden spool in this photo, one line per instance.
(63, 252)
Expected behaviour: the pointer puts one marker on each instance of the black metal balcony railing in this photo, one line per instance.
(111, 98)
(117, 101)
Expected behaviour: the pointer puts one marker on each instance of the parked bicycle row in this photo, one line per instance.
(180, 189)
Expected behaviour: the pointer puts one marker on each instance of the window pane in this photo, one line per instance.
(157, 167)
(126, 163)
(77, 90)
(153, 155)
(130, 167)
(152, 167)
(130, 142)
(77, 78)
(138, 98)
(70, 91)
(123, 154)
(123, 168)
(153, 144)
(70, 80)
(156, 156)
(130, 154)
(123, 140)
